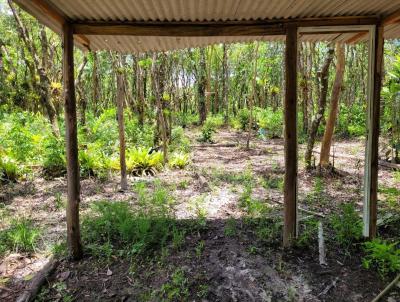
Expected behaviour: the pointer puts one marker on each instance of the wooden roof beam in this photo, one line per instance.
(198, 29)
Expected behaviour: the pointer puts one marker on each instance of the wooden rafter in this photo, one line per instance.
(391, 19)
(197, 29)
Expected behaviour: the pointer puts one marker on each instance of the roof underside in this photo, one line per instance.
(203, 11)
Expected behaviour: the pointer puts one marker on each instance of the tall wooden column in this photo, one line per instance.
(290, 193)
(371, 160)
(71, 139)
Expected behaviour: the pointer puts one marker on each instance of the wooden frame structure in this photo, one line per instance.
(291, 28)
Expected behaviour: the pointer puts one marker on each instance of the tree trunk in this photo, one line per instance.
(82, 101)
(201, 86)
(336, 90)
(253, 96)
(225, 82)
(121, 129)
(324, 75)
(140, 92)
(95, 84)
(157, 93)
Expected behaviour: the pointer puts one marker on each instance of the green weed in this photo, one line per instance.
(177, 288)
(383, 256)
(179, 160)
(347, 226)
(21, 236)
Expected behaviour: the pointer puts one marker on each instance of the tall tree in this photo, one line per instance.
(201, 86)
(324, 76)
(38, 66)
(225, 81)
(336, 90)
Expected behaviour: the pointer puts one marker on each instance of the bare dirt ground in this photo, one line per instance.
(238, 267)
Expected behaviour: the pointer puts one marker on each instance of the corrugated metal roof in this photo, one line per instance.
(206, 10)
(218, 10)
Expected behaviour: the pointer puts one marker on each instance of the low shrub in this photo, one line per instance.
(383, 256)
(347, 226)
(54, 163)
(9, 171)
(140, 162)
(140, 231)
(179, 141)
(179, 160)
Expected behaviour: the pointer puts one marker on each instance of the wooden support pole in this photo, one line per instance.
(121, 128)
(71, 139)
(290, 190)
(372, 160)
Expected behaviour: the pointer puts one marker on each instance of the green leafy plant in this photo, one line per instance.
(383, 256)
(9, 171)
(179, 160)
(176, 289)
(347, 225)
(308, 233)
(140, 162)
(179, 142)
(54, 164)
(230, 227)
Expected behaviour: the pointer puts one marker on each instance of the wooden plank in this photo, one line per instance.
(71, 139)
(198, 29)
(290, 107)
(177, 30)
(373, 136)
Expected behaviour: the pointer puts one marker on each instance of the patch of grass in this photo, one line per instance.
(396, 176)
(383, 256)
(317, 193)
(230, 227)
(308, 233)
(176, 289)
(273, 182)
(347, 226)
(139, 231)
(267, 230)
(58, 201)
(178, 237)
(21, 236)
(199, 248)
(184, 184)
(391, 196)
(252, 206)
(202, 291)
(9, 171)
(219, 176)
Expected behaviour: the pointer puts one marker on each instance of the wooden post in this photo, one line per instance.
(371, 160)
(71, 139)
(121, 129)
(290, 193)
